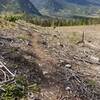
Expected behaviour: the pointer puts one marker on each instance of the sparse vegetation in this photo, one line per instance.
(48, 22)
(23, 37)
(14, 90)
(12, 18)
(34, 88)
(18, 90)
(73, 37)
(92, 83)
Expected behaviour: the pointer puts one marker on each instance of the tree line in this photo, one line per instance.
(64, 22)
(48, 22)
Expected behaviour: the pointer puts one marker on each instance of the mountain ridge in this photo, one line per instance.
(68, 7)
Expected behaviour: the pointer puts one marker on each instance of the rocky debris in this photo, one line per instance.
(62, 69)
(76, 85)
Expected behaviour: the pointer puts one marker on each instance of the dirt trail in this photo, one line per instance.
(47, 64)
(45, 60)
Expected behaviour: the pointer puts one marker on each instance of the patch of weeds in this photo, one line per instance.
(91, 83)
(12, 18)
(34, 88)
(73, 37)
(13, 49)
(14, 91)
(23, 37)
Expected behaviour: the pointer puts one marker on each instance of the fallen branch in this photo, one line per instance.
(5, 72)
(85, 60)
(2, 65)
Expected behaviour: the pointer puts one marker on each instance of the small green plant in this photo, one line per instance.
(19, 89)
(11, 18)
(15, 90)
(91, 83)
(12, 91)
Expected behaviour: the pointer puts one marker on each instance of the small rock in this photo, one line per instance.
(67, 88)
(45, 72)
(94, 59)
(68, 66)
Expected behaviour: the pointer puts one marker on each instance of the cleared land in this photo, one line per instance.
(64, 66)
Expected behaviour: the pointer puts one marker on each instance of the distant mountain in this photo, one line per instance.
(47, 6)
(68, 7)
(55, 8)
(18, 6)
